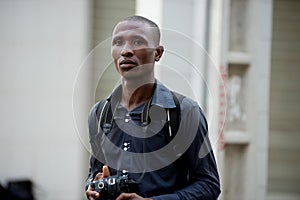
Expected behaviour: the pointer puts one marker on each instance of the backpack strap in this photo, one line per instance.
(103, 109)
(174, 116)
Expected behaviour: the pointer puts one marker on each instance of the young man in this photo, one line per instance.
(154, 136)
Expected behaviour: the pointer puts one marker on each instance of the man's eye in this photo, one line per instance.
(137, 42)
(118, 42)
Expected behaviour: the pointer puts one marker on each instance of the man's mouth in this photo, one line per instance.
(127, 64)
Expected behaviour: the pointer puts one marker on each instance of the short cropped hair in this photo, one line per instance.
(152, 24)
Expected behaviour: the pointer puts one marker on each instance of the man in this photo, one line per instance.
(132, 131)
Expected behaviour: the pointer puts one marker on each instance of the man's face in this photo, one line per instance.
(134, 49)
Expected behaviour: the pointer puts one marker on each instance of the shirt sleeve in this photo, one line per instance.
(95, 164)
(203, 173)
(166, 196)
(203, 178)
(95, 167)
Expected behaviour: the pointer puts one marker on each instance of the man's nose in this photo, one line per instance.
(127, 51)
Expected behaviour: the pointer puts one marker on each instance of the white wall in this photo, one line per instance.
(151, 10)
(183, 27)
(42, 46)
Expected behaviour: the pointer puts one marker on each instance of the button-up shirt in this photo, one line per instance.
(183, 168)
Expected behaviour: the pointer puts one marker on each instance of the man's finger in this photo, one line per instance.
(130, 196)
(124, 196)
(92, 195)
(98, 176)
(105, 172)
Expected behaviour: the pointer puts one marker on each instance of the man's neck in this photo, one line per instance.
(136, 93)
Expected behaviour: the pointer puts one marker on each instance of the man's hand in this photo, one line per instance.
(90, 193)
(131, 196)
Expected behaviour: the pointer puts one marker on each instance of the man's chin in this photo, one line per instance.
(137, 73)
(131, 75)
(133, 72)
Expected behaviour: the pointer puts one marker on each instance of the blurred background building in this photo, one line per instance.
(55, 64)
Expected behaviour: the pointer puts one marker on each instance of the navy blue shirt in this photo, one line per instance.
(183, 168)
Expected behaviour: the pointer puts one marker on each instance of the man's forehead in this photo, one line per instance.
(132, 26)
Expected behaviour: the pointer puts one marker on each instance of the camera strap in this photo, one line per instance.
(105, 115)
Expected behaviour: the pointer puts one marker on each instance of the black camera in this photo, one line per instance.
(110, 188)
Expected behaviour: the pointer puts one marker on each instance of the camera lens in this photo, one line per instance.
(101, 185)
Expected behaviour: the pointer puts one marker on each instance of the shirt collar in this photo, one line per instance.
(162, 96)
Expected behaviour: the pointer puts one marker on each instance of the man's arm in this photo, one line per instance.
(203, 175)
(95, 165)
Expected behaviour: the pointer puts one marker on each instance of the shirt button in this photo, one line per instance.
(127, 117)
(126, 146)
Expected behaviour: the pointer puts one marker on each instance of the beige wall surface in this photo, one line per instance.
(284, 148)
(106, 14)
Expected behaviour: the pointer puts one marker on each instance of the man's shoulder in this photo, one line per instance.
(97, 107)
(185, 101)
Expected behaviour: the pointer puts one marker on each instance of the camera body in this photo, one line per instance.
(110, 188)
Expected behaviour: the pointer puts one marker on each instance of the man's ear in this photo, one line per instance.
(159, 52)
